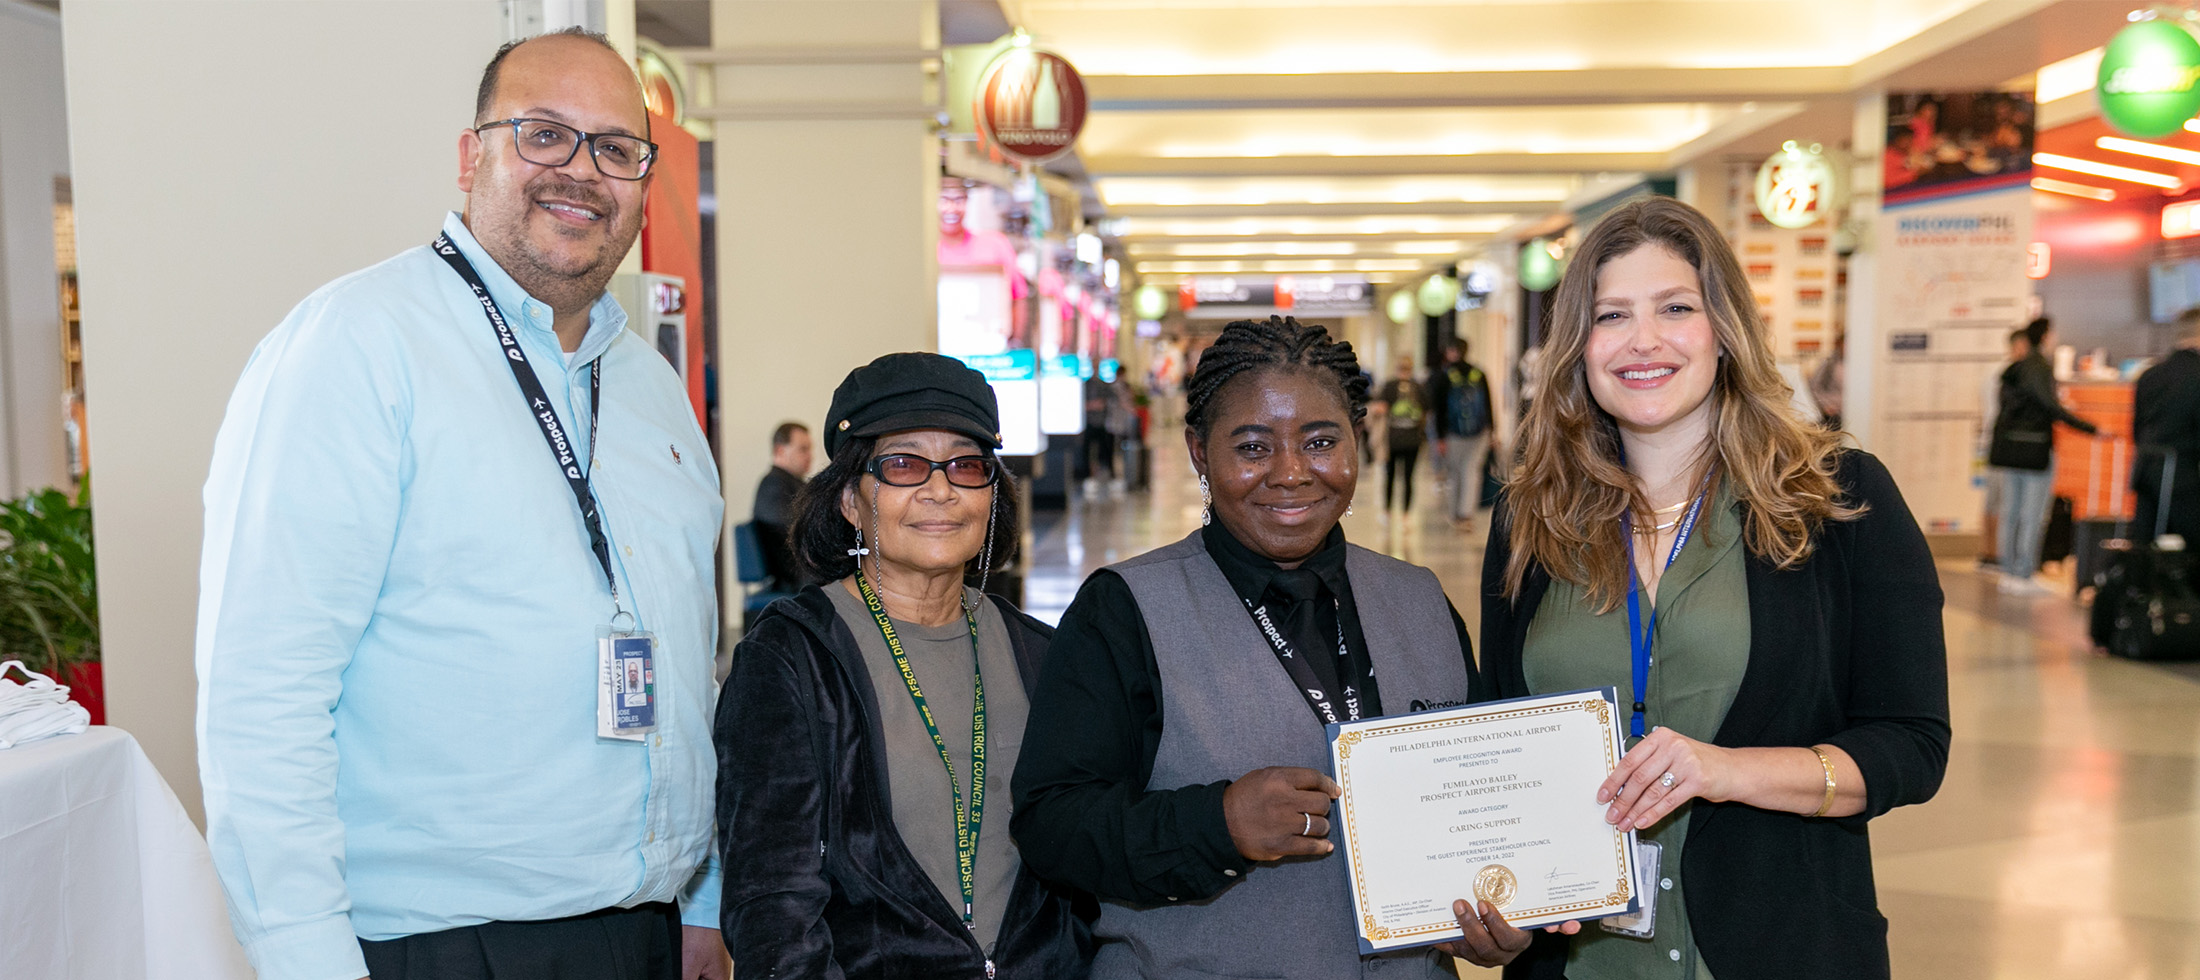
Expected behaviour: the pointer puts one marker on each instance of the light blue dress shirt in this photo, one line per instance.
(398, 614)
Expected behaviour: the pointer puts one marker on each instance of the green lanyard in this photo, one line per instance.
(966, 824)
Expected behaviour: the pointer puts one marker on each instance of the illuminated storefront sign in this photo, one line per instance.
(1795, 186)
(1437, 295)
(1031, 104)
(2146, 85)
(2181, 220)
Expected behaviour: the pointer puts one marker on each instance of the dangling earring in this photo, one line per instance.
(1348, 509)
(859, 550)
(1206, 503)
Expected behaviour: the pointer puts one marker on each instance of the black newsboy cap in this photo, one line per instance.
(913, 390)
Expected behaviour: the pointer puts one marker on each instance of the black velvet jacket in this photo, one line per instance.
(1846, 650)
(818, 882)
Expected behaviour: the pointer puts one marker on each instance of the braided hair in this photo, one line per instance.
(1249, 347)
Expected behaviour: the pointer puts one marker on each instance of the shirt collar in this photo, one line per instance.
(1249, 573)
(605, 319)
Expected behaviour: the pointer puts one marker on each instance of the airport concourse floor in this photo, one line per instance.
(2065, 841)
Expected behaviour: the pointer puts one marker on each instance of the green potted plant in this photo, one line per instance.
(49, 598)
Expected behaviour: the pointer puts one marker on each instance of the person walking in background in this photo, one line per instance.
(1404, 406)
(1788, 669)
(774, 511)
(1459, 395)
(2023, 449)
(1828, 382)
(1989, 401)
(2166, 416)
(454, 505)
(870, 725)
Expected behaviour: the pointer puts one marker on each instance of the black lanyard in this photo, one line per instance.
(538, 405)
(1302, 673)
(967, 822)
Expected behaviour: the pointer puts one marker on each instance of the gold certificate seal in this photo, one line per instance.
(1496, 885)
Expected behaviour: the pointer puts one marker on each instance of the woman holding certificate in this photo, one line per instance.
(869, 727)
(1173, 761)
(1760, 597)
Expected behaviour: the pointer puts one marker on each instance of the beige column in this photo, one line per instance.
(230, 156)
(827, 178)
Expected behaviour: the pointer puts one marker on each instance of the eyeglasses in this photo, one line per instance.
(912, 470)
(548, 144)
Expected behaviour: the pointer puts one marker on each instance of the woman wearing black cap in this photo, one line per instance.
(1172, 763)
(869, 726)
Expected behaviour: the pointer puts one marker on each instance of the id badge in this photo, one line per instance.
(1644, 924)
(626, 684)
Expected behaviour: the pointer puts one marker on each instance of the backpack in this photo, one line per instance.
(1466, 402)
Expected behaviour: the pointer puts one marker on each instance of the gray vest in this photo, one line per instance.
(1229, 708)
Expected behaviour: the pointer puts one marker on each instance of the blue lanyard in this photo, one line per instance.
(1639, 632)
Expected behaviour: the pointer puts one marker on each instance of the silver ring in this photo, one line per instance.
(1308, 830)
(1666, 780)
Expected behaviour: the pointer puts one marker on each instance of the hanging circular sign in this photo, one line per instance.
(1437, 294)
(1539, 269)
(1151, 302)
(2146, 86)
(662, 92)
(1031, 104)
(1795, 186)
(1400, 306)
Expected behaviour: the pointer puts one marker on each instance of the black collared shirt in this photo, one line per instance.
(1083, 815)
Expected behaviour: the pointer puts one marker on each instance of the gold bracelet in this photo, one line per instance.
(1827, 765)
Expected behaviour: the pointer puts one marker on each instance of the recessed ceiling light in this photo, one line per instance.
(2155, 150)
(2087, 191)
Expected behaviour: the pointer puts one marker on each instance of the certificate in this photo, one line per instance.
(1495, 802)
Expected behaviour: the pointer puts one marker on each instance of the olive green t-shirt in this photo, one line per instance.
(1700, 648)
(924, 805)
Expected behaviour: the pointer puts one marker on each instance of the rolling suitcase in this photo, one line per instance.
(2089, 537)
(2150, 589)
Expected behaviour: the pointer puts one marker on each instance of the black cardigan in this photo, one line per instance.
(1845, 650)
(818, 882)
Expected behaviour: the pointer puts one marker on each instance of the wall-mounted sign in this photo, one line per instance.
(2146, 85)
(1539, 265)
(1031, 104)
(2038, 259)
(1315, 295)
(1795, 186)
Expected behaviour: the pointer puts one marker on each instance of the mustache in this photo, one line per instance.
(572, 192)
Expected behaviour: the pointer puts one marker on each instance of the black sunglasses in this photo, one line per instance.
(912, 470)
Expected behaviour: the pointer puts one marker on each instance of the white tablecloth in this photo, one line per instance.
(102, 875)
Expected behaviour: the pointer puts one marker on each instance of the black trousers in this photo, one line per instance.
(1400, 470)
(641, 943)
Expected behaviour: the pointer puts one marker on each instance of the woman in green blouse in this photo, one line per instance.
(1761, 598)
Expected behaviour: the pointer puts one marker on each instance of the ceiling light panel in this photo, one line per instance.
(1325, 226)
(2111, 171)
(1259, 191)
(1449, 131)
(1228, 249)
(2155, 150)
(1278, 266)
(1289, 37)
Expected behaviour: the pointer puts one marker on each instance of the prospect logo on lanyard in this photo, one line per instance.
(1640, 632)
(1302, 673)
(967, 822)
(626, 686)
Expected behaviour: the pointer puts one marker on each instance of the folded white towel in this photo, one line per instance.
(36, 709)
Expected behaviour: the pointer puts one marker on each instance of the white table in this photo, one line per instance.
(102, 875)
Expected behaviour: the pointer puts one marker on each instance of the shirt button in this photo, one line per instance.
(1172, 898)
(1232, 874)
(1665, 883)
(1673, 954)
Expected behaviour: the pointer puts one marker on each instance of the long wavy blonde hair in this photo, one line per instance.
(1570, 489)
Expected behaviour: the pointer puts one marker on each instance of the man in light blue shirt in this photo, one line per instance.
(404, 584)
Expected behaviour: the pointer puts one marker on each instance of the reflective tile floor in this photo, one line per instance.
(2065, 841)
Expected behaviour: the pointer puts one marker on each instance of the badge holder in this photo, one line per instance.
(626, 680)
(1644, 924)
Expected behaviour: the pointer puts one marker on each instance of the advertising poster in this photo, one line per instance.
(1951, 259)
